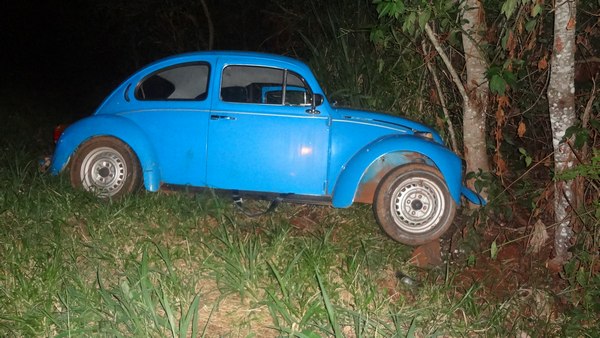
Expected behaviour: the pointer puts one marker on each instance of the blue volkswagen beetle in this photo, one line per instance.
(260, 123)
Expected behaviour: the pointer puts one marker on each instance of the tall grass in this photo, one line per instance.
(180, 264)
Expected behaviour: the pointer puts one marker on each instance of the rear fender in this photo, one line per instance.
(372, 162)
(108, 125)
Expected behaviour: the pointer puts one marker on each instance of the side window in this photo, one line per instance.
(250, 84)
(297, 92)
(182, 82)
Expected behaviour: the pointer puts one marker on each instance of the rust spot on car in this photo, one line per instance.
(366, 191)
(377, 171)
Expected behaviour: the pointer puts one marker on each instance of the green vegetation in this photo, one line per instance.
(180, 264)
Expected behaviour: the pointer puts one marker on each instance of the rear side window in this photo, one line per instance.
(182, 82)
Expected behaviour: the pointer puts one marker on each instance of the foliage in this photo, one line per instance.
(581, 272)
(338, 40)
(179, 264)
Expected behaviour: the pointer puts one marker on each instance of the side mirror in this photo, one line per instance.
(316, 101)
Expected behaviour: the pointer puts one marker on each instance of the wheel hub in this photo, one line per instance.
(417, 204)
(103, 171)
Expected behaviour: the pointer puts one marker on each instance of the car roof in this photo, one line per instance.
(232, 53)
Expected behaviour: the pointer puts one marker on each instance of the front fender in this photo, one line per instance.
(108, 125)
(447, 162)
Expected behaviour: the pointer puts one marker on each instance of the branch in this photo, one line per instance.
(455, 78)
(211, 27)
(438, 88)
(585, 120)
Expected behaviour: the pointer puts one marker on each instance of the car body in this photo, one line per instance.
(260, 123)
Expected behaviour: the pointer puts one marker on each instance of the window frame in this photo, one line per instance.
(136, 92)
(284, 83)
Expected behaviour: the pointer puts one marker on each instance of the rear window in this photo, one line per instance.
(182, 82)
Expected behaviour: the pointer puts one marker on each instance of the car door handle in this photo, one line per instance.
(222, 117)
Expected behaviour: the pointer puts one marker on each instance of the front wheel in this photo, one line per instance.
(412, 204)
(107, 167)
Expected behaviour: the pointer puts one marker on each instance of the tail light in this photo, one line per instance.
(58, 131)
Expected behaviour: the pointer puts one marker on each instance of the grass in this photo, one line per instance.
(180, 264)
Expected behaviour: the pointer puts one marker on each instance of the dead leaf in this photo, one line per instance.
(543, 63)
(503, 101)
(538, 238)
(439, 122)
(510, 42)
(522, 129)
(433, 96)
(500, 166)
(500, 116)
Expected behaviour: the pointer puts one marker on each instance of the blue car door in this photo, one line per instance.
(172, 107)
(275, 145)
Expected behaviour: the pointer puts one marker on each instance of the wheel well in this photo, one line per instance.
(381, 167)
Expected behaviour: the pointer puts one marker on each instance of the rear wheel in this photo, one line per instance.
(412, 204)
(107, 167)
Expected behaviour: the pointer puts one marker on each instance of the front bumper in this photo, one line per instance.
(472, 196)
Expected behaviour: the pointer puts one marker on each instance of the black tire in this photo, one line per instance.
(412, 204)
(107, 167)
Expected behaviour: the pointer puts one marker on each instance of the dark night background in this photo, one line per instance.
(71, 54)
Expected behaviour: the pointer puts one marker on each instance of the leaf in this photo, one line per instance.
(471, 260)
(497, 84)
(331, 315)
(493, 250)
(572, 130)
(409, 24)
(380, 65)
(508, 8)
(538, 238)
(595, 124)
(509, 77)
(521, 129)
(581, 277)
(501, 166)
(530, 25)
(412, 329)
(581, 137)
(398, 8)
(424, 18)
(390, 8)
(536, 10)
(377, 36)
(191, 316)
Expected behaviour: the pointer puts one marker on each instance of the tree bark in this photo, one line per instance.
(561, 102)
(476, 87)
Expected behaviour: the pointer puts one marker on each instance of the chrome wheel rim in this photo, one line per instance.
(103, 171)
(417, 205)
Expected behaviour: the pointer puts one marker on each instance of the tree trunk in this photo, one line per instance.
(476, 87)
(561, 102)
(211, 26)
